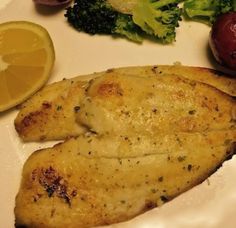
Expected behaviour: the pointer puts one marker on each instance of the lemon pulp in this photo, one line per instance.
(26, 60)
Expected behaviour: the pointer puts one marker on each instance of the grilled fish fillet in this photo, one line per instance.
(124, 105)
(60, 101)
(147, 140)
(50, 113)
(66, 187)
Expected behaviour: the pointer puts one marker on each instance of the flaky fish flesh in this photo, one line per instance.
(146, 139)
(51, 113)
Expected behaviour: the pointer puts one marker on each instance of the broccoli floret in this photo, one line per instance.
(208, 10)
(158, 18)
(125, 26)
(98, 17)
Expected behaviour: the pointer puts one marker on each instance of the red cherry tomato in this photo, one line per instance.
(223, 40)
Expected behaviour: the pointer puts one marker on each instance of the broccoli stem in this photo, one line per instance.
(160, 4)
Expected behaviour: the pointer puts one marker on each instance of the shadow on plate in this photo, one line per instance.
(8, 112)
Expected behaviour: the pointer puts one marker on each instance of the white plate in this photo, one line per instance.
(211, 204)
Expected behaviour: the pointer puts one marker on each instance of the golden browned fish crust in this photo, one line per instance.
(124, 104)
(147, 140)
(50, 113)
(217, 79)
(61, 101)
(63, 186)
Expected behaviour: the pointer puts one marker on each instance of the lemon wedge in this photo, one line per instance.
(26, 61)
